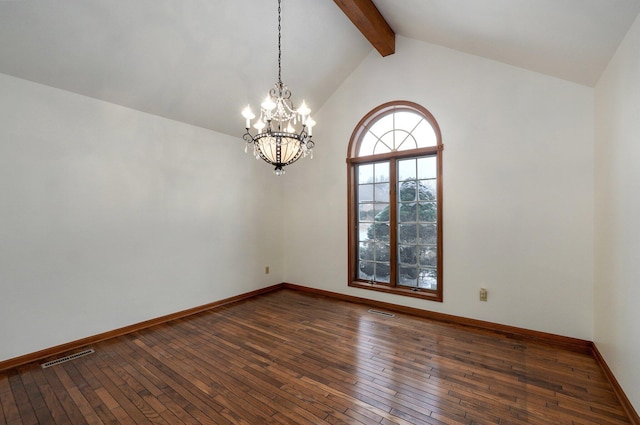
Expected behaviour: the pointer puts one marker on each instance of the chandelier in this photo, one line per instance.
(283, 133)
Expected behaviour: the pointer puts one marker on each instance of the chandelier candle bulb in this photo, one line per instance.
(246, 112)
(310, 124)
(303, 110)
(268, 106)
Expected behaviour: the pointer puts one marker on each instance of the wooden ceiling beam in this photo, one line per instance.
(367, 18)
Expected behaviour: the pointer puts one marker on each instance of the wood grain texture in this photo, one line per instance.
(75, 345)
(370, 22)
(569, 343)
(290, 357)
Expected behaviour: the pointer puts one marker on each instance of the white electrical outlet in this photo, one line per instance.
(483, 294)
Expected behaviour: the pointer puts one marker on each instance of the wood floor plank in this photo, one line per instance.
(140, 379)
(186, 395)
(62, 409)
(26, 410)
(83, 395)
(7, 401)
(61, 396)
(288, 357)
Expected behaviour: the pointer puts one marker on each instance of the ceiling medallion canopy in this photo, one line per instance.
(283, 133)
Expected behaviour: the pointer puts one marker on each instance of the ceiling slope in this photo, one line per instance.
(570, 39)
(201, 62)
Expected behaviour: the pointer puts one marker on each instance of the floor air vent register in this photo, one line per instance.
(381, 313)
(67, 358)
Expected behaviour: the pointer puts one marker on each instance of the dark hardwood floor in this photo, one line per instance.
(289, 357)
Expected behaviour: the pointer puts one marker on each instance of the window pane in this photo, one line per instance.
(407, 169)
(408, 276)
(427, 190)
(366, 212)
(365, 252)
(366, 270)
(407, 254)
(380, 231)
(407, 212)
(382, 252)
(427, 234)
(407, 233)
(383, 272)
(376, 271)
(364, 229)
(368, 143)
(427, 212)
(427, 167)
(382, 126)
(425, 135)
(407, 120)
(365, 193)
(427, 278)
(381, 172)
(373, 231)
(408, 190)
(427, 256)
(365, 173)
(381, 211)
(382, 192)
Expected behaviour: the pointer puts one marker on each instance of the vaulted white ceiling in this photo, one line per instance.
(570, 39)
(201, 61)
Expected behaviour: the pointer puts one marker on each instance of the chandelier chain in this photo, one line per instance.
(279, 44)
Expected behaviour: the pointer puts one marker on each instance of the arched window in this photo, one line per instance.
(395, 202)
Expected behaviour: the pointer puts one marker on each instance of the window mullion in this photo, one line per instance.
(393, 220)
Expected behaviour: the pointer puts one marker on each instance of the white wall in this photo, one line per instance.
(109, 217)
(617, 214)
(518, 187)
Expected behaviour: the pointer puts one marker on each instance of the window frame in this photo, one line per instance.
(353, 160)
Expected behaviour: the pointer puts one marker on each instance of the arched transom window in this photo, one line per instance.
(400, 130)
(395, 202)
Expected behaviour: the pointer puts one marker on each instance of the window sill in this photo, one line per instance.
(407, 292)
